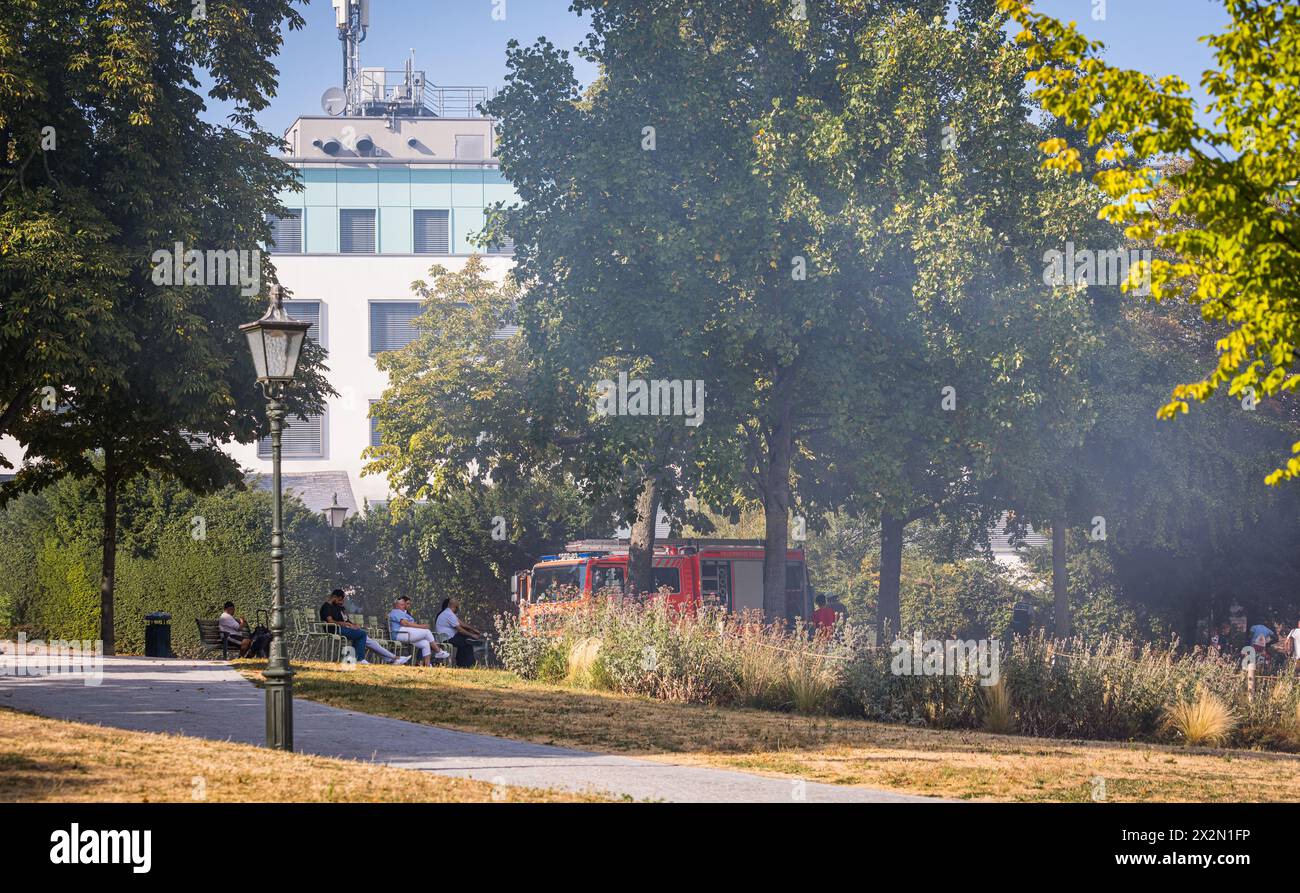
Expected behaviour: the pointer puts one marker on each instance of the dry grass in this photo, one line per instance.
(1204, 721)
(50, 760)
(974, 765)
(811, 679)
(998, 717)
(582, 657)
(762, 675)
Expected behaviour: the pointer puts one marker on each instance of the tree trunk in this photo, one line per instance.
(776, 518)
(109, 567)
(641, 547)
(1060, 579)
(888, 611)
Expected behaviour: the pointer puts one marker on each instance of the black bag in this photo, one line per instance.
(261, 646)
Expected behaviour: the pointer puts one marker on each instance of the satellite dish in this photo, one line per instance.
(333, 101)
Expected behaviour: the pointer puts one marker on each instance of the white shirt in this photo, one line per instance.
(1295, 643)
(229, 624)
(446, 623)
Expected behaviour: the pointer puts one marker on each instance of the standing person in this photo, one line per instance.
(1293, 647)
(458, 633)
(1219, 641)
(234, 630)
(405, 629)
(1261, 636)
(823, 618)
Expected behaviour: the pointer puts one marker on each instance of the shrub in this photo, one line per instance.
(1112, 689)
(1206, 720)
(521, 652)
(761, 676)
(582, 658)
(998, 717)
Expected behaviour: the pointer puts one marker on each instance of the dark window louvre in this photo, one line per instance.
(306, 311)
(286, 233)
(299, 440)
(392, 324)
(432, 232)
(506, 247)
(357, 231)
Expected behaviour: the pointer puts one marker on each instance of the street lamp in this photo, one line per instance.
(336, 514)
(276, 341)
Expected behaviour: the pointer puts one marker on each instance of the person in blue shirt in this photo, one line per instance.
(405, 629)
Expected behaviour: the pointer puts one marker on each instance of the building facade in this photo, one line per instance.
(384, 198)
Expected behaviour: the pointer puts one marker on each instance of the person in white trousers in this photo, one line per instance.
(405, 629)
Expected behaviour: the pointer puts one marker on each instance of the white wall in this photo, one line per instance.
(346, 284)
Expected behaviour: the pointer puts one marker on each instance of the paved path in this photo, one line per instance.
(208, 699)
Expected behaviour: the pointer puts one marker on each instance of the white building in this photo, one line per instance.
(397, 181)
(398, 184)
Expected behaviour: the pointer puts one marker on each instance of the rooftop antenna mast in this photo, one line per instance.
(353, 20)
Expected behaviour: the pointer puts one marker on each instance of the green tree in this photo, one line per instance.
(1239, 262)
(468, 423)
(917, 173)
(133, 376)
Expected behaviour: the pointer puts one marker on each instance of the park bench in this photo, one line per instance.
(211, 639)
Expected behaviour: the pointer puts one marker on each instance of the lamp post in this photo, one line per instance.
(336, 514)
(275, 342)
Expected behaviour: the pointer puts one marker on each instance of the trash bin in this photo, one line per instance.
(158, 634)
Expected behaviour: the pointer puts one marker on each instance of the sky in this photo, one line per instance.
(459, 42)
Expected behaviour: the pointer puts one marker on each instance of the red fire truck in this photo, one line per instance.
(728, 572)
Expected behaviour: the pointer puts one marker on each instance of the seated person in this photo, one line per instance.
(458, 633)
(332, 612)
(234, 631)
(405, 629)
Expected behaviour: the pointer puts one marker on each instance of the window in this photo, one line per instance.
(506, 247)
(307, 311)
(469, 147)
(668, 576)
(559, 582)
(286, 233)
(715, 578)
(299, 440)
(392, 325)
(607, 577)
(794, 575)
(374, 426)
(357, 231)
(432, 231)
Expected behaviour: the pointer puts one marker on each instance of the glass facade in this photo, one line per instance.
(394, 192)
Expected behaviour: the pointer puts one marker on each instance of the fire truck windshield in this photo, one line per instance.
(559, 582)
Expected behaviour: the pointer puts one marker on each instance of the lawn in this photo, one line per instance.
(960, 764)
(51, 760)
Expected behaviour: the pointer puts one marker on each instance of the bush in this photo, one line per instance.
(1113, 689)
(705, 656)
(1206, 720)
(161, 565)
